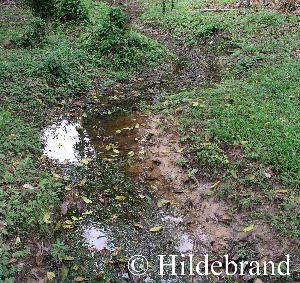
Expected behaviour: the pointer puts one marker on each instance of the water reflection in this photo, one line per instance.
(96, 238)
(65, 141)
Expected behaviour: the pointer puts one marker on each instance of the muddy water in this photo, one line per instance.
(91, 146)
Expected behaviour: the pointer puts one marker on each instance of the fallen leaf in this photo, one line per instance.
(86, 200)
(69, 222)
(131, 153)
(120, 198)
(82, 182)
(69, 258)
(215, 185)
(56, 176)
(166, 152)
(138, 225)
(88, 212)
(85, 161)
(248, 228)
(195, 103)
(46, 218)
(162, 202)
(80, 279)
(67, 188)
(28, 186)
(68, 226)
(156, 229)
(118, 131)
(122, 259)
(50, 276)
(281, 191)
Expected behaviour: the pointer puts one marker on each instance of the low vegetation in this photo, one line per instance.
(47, 60)
(245, 129)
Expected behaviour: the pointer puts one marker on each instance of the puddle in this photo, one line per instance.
(102, 135)
(66, 141)
(96, 238)
(113, 137)
(185, 244)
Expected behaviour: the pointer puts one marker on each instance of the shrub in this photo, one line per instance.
(120, 47)
(71, 10)
(112, 35)
(42, 8)
(34, 34)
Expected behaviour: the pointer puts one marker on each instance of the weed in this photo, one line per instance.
(71, 11)
(59, 250)
(254, 107)
(34, 34)
(119, 47)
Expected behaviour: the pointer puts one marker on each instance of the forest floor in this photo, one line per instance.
(188, 145)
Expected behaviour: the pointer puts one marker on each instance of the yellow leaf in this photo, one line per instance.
(166, 152)
(195, 103)
(50, 276)
(139, 226)
(82, 182)
(67, 188)
(88, 212)
(118, 131)
(85, 161)
(86, 200)
(68, 258)
(56, 176)
(79, 279)
(116, 151)
(137, 126)
(215, 185)
(67, 226)
(120, 198)
(131, 153)
(248, 228)
(46, 218)
(122, 259)
(162, 202)
(281, 191)
(156, 229)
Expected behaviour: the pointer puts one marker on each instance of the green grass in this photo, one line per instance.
(254, 109)
(44, 64)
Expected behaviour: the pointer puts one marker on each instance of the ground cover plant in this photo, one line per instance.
(45, 63)
(248, 123)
